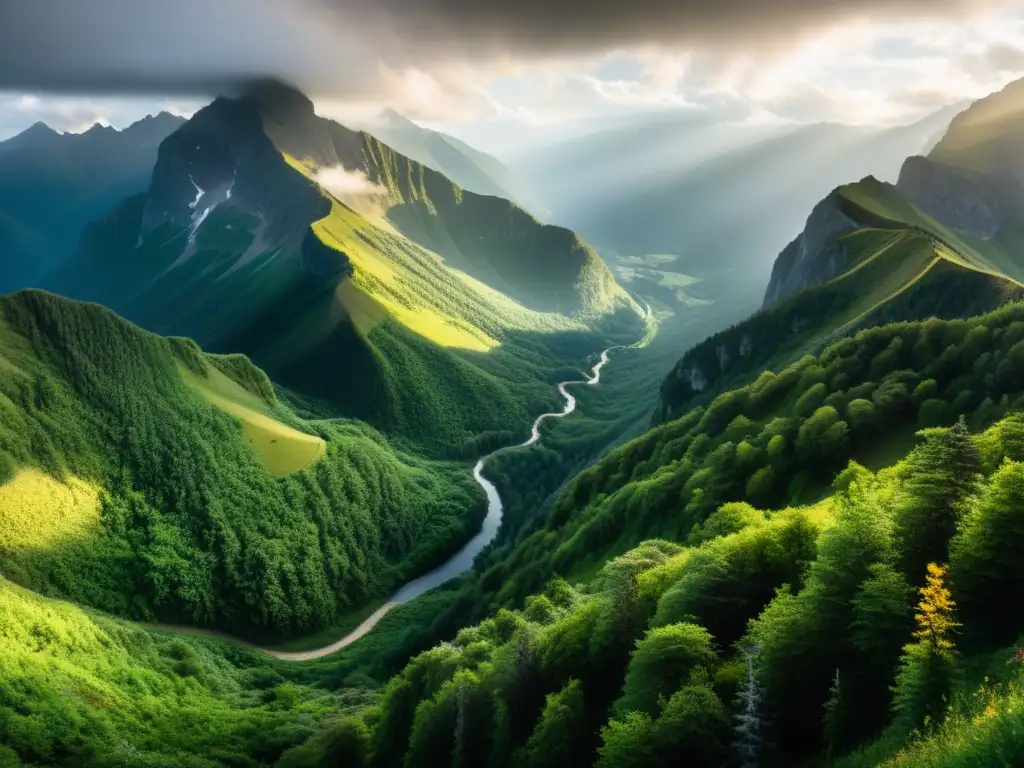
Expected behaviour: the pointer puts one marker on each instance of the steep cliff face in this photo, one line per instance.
(816, 255)
(966, 204)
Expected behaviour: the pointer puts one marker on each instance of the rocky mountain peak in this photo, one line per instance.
(223, 158)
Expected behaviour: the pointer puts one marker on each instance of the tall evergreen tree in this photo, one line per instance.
(942, 475)
(748, 719)
(985, 559)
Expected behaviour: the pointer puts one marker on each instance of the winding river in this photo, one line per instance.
(462, 560)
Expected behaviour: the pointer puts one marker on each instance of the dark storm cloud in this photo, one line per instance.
(176, 46)
(572, 25)
(332, 47)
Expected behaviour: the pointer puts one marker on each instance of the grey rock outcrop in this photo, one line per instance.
(815, 256)
(951, 197)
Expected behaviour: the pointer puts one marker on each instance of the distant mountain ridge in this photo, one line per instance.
(967, 191)
(467, 166)
(52, 184)
(722, 196)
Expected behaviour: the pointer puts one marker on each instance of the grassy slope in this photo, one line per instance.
(282, 449)
(544, 267)
(128, 491)
(80, 688)
(902, 265)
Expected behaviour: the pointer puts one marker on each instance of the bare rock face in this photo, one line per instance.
(950, 196)
(693, 376)
(814, 256)
(223, 159)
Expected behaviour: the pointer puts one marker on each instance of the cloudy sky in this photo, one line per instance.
(496, 71)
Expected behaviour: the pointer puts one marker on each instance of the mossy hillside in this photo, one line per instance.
(163, 510)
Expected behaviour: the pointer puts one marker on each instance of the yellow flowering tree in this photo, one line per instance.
(926, 668)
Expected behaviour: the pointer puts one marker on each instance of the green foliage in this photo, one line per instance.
(671, 479)
(811, 591)
(662, 661)
(804, 637)
(861, 414)
(727, 519)
(693, 729)
(985, 558)
(934, 413)
(557, 737)
(190, 527)
(77, 688)
(940, 476)
(823, 434)
(812, 399)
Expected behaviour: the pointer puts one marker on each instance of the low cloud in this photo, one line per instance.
(354, 189)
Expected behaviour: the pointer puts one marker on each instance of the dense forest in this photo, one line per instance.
(664, 606)
(777, 441)
(867, 628)
(159, 509)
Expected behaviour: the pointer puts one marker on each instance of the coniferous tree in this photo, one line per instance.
(985, 558)
(560, 735)
(943, 474)
(748, 720)
(832, 716)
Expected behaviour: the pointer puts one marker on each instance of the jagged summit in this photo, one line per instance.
(38, 134)
(98, 128)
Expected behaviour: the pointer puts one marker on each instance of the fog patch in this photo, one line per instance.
(353, 188)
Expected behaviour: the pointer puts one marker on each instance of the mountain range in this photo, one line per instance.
(264, 391)
(52, 184)
(356, 277)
